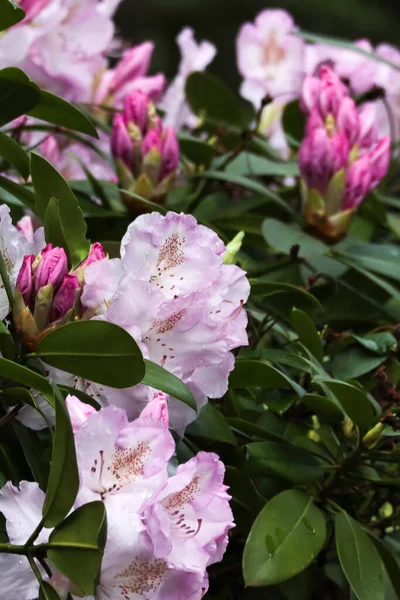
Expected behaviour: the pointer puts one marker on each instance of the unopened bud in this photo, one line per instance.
(24, 279)
(320, 157)
(121, 143)
(348, 120)
(379, 159)
(136, 110)
(170, 153)
(65, 297)
(358, 180)
(51, 269)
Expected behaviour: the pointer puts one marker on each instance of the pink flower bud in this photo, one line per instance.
(314, 121)
(134, 63)
(332, 91)
(24, 279)
(157, 408)
(96, 253)
(25, 226)
(321, 156)
(368, 126)
(121, 143)
(136, 109)
(170, 152)
(52, 268)
(65, 297)
(152, 141)
(310, 94)
(79, 412)
(347, 120)
(379, 159)
(358, 180)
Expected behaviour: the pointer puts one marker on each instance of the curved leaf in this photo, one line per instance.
(159, 378)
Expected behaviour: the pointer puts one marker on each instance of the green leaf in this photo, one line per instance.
(96, 350)
(53, 109)
(211, 424)
(247, 184)
(18, 94)
(323, 407)
(13, 153)
(354, 362)
(31, 450)
(282, 237)
(294, 120)
(195, 150)
(307, 333)
(63, 484)
(359, 559)
(295, 295)
(10, 14)
(383, 259)
(250, 429)
(354, 401)
(390, 562)
(248, 164)
(159, 378)
(285, 538)
(76, 546)
(25, 376)
(22, 193)
(7, 346)
(49, 184)
(254, 373)
(210, 98)
(291, 463)
(47, 592)
(53, 227)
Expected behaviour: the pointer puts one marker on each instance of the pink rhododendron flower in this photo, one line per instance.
(183, 316)
(194, 57)
(79, 412)
(270, 55)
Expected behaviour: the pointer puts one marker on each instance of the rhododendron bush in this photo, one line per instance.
(199, 304)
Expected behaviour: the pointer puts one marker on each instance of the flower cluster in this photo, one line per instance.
(146, 154)
(163, 531)
(62, 45)
(185, 317)
(47, 295)
(341, 158)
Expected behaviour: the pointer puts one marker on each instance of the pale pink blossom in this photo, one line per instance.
(194, 57)
(184, 317)
(79, 412)
(269, 53)
(25, 226)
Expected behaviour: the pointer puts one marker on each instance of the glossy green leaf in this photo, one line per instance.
(49, 184)
(383, 259)
(22, 193)
(31, 450)
(47, 592)
(354, 362)
(211, 424)
(294, 120)
(248, 164)
(390, 561)
(285, 538)
(210, 98)
(10, 14)
(195, 150)
(359, 559)
(291, 463)
(76, 546)
(161, 379)
(7, 346)
(324, 407)
(247, 184)
(96, 350)
(53, 109)
(354, 401)
(299, 297)
(25, 376)
(13, 153)
(307, 333)
(63, 483)
(254, 373)
(282, 237)
(248, 428)
(18, 94)
(53, 227)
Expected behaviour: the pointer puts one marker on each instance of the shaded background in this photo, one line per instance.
(219, 22)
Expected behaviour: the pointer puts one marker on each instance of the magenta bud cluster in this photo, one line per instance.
(140, 142)
(340, 138)
(47, 288)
